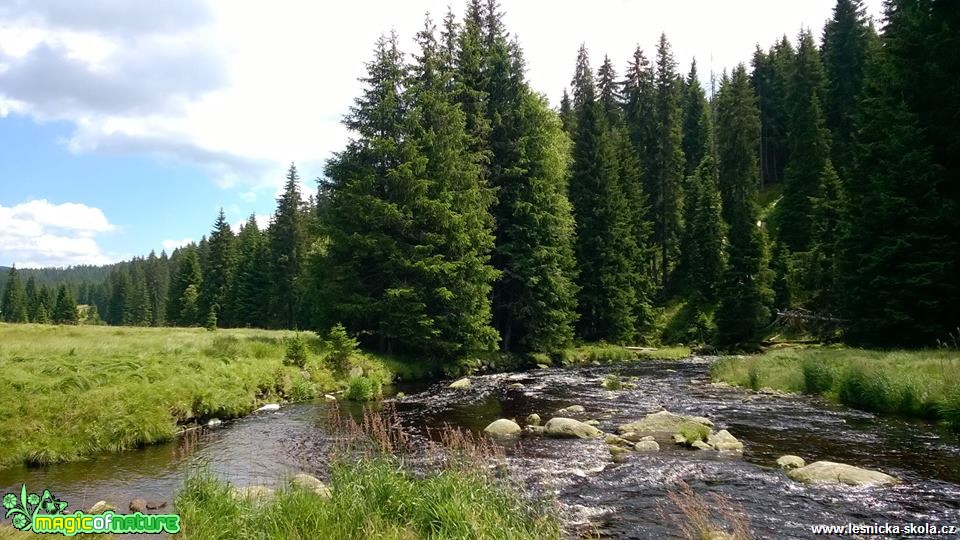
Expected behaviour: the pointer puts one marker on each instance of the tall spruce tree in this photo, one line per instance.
(219, 272)
(744, 288)
(287, 247)
(701, 251)
(157, 277)
(696, 122)
(845, 40)
(606, 300)
(249, 299)
(771, 82)
(665, 191)
(14, 306)
(183, 305)
(32, 298)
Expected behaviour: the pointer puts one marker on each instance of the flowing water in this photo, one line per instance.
(618, 500)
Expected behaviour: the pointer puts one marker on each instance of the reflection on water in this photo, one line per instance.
(620, 500)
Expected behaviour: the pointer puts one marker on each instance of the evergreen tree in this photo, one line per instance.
(771, 82)
(32, 298)
(65, 311)
(251, 284)
(696, 123)
(45, 303)
(183, 308)
(744, 291)
(218, 274)
(809, 147)
(118, 312)
(566, 113)
(845, 40)
(898, 276)
(701, 252)
(287, 246)
(14, 306)
(138, 303)
(606, 300)
(665, 191)
(157, 277)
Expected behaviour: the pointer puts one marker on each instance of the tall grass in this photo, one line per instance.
(923, 384)
(379, 490)
(705, 517)
(72, 392)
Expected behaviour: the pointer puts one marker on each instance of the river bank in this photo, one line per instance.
(916, 384)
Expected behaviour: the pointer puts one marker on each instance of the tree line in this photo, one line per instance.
(464, 214)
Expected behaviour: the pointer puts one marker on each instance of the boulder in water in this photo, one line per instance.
(101, 507)
(137, 505)
(502, 428)
(791, 462)
(573, 409)
(516, 386)
(156, 505)
(700, 445)
(213, 422)
(618, 450)
(613, 440)
(647, 446)
(594, 423)
(828, 472)
(535, 430)
(311, 483)
(662, 422)
(570, 428)
(724, 441)
(533, 419)
(269, 407)
(461, 383)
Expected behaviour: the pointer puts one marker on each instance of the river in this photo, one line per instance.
(617, 500)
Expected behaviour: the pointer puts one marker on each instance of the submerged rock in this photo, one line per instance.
(791, 462)
(700, 445)
(573, 409)
(155, 505)
(311, 483)
(515, 385)
(137, 505)
(618, 450)
(828, 472)
(102, 506)
(269, 407)
(723, 440)
(502, 427)
(535, 430)
(570, 428)
(617, 441)
(647, 446)
(533, 419)
(662, 422)
(460, 383)
(212, 423)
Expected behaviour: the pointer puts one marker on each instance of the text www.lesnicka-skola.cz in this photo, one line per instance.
(906, 529)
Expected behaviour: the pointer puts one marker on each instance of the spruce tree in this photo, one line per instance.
(606, 299)
(665, 190)
(32, 298)
(696, 123)
(182, 307)
(157, 277)
(249, 298)
(845, 40)
(744, 291)
(218, 274)
(14, 306)
(809, 149)
(65, 311)
(771, 82)
(138, 302)
(701, 251)
(121, 292)
(287, 247)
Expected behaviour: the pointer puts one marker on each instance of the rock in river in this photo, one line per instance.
(502, 427)
(723, 440)
(573, 409)
(269, 407)
(791, 462)
(310, 483)
(662, 422)
(533, 419)
(461, 383)
(102, 506)
(570, 428)
(828, 472)
(647, 446)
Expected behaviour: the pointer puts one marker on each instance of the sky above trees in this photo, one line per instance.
(153, 117)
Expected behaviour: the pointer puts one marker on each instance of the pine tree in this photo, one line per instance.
(65, 311)
(14, 306)
(744, 291)
(138, 302)
(845, 40)
(118, 312)
(45, 303)
(606, 299)
(251, 284)
(183, 308)
(287, 246)
(701, 251)
(566, 113)
(665, 190)
(157, 277)
(771, 82)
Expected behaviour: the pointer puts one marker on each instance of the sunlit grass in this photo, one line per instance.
(72, 392)
(924, 383)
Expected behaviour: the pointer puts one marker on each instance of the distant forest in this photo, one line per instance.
(466, 214)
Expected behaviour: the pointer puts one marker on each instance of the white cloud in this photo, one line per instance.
(39, 233)
(243, 88)
(170, 245)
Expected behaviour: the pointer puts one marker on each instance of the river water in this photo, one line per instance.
(616, 500)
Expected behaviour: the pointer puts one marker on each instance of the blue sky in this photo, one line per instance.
(124, 126)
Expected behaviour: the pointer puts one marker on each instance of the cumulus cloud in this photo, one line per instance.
(40, 233)
(170, 245)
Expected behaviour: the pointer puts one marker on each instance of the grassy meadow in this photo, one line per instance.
(921, 383)
(74, 391)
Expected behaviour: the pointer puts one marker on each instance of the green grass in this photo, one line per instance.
(372, 498)
(693, 432)
(71, 392)
(924, 383)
